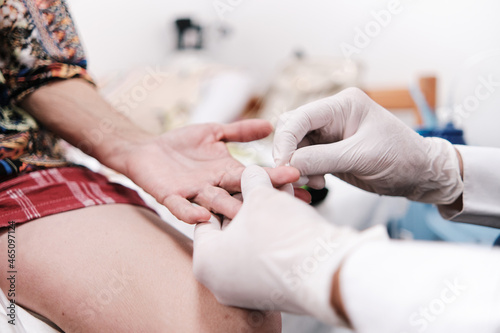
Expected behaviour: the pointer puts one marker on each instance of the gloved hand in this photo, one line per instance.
(357, 140)
(278, 253)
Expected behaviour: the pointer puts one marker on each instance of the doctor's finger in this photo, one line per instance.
(231, 180)
(205, 230)
(254, 177)
(290, 130)
(287, 188)
(306, 141)
(316, 182)
(243, 130)
(326, 158)
(293, 126)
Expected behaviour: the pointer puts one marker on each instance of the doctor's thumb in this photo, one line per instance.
(254, 177)
(322, 159)
(206, 231)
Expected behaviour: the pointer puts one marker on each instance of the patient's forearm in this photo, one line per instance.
(74, 110)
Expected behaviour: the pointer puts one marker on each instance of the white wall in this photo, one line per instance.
(427, 36)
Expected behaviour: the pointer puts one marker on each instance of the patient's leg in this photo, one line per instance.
(118, 268)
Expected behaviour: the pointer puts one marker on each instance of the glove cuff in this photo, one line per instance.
(316, 294)
(440, 183)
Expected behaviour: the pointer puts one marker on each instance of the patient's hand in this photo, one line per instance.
(192, 164)
(183, 165)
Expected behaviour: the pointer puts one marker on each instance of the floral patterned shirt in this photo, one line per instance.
(38, 44)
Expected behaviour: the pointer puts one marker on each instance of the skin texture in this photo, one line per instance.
(118, 268)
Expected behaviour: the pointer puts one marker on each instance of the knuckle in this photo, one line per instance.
(164, 199)
(353, 92)
(207, 197)
(283, 121)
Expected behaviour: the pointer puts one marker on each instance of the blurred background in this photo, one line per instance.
(424, 37)
(435, 64)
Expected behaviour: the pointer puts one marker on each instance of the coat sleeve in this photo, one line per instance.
(481, 197)
(414, 287)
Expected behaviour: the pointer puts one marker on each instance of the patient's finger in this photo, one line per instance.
(238, 196)
(231, 180)
(218, 201)
(184, 210)
(225, 222)
(303, 195)
(244, 130)
(283, 175)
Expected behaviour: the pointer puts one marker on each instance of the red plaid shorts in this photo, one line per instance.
(41, 193)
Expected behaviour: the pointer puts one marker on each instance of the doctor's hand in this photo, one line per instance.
(278, 253)
(357, 140)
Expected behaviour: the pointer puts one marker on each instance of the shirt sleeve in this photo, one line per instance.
(38, 44)
(481, 196)
(410, 287)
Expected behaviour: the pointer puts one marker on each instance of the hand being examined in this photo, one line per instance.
(192, 165)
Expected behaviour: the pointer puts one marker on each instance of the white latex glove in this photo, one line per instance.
(357, 140)
(276, 254)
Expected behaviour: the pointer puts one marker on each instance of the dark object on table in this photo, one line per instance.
(317, 196)
(189, 35)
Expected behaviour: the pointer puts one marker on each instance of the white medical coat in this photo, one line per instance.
(407, 287)
(482, 187)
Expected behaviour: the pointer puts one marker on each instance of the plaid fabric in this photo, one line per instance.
(56, 190)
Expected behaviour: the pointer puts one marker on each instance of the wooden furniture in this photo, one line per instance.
(401, 99)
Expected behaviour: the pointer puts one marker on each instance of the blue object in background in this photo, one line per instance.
(431, 127)
(428, 116)
(497, 242)
(449, 132)
(414, 224)
(423, 222)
